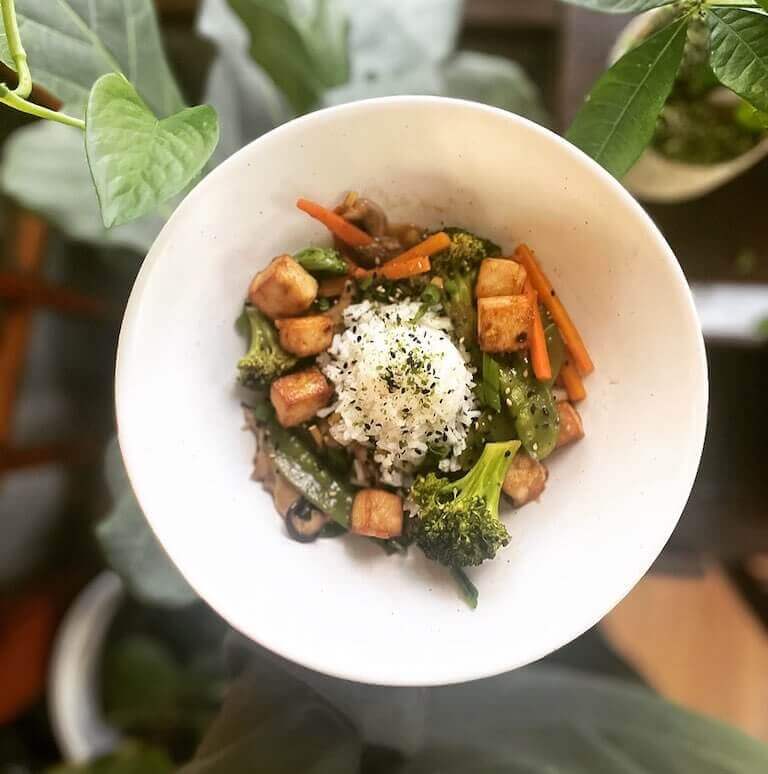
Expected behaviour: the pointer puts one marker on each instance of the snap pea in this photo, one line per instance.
(556, 349)
(531, 405)
(302, 468)
(321, 260)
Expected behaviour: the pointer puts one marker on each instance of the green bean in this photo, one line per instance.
(321, 260)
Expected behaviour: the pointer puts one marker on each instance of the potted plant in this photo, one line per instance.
(706, 134)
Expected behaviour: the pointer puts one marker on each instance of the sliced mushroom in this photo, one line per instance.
(370, 214)
(303, 522)
(381, 250)
(284, 495)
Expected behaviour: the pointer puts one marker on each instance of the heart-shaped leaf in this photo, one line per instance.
(739, 52)
(138, 161)
(70, 43)
(620, 6)
(618, 119)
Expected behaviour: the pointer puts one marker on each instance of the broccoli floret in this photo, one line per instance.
(458, 522)
(464, 255)
(458, 267)
(265, 359)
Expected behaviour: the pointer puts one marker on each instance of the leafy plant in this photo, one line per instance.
(618, 118)
(105, 63)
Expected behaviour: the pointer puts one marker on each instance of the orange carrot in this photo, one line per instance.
(343, 229)
(397, 270)
(572, 382)
(539, 353)
(430, 246)
(570, 334)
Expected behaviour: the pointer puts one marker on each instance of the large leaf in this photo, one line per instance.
(538, 720)
(301, 45)
(137, 161)
(71, 43)
(618, 118)
(620, 6)
(132, 549)
(739, 52)
(44, 168)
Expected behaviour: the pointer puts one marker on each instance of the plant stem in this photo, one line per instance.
(18, 54)
(12, 99)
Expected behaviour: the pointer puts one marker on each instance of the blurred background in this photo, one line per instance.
(90, 609)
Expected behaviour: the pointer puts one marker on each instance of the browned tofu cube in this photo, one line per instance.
(283, 289)
(305, 336)
(377, 513)
(500, 277)
(571, 426)
(503, 323)
(298, 397)
(525, 479)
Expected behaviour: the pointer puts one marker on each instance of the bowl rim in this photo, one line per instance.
(464, 673)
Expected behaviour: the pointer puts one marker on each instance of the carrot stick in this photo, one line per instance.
(542, 368)
(572, 382)
(430, 246)
(343, 229)
(418, 264)
(570, 334)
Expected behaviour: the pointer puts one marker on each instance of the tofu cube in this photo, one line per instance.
(500, 277)
(503, 323)
(571, 426)
(525, 479)
(283, 289)
(305, 336)
(298, 397)
(377, 513)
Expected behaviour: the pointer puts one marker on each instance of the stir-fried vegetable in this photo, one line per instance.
(302, 468)
(458, 522)
(343, 229)
(538, 343)
(531, 405)
(548, 297)
(321, 260)
(457, 266)
(265, 360)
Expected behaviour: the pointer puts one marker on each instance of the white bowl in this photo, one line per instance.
(341, 606)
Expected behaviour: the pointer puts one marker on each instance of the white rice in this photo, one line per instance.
(401, 387)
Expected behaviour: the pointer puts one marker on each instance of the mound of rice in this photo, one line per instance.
(402, 387)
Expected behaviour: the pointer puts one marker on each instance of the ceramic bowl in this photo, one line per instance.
(342, 606)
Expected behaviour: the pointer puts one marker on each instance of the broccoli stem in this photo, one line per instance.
(487, 476)
(467, 589)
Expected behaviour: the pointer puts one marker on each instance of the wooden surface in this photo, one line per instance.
(696, 642)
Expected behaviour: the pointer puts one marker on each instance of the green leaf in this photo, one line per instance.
(618, 118)
(301, 46)
(130, 758)
(71, 43)
(137, 161)
(131, 548)
(739, 52)
(44, 168)
(620, 6)
(141, 682)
